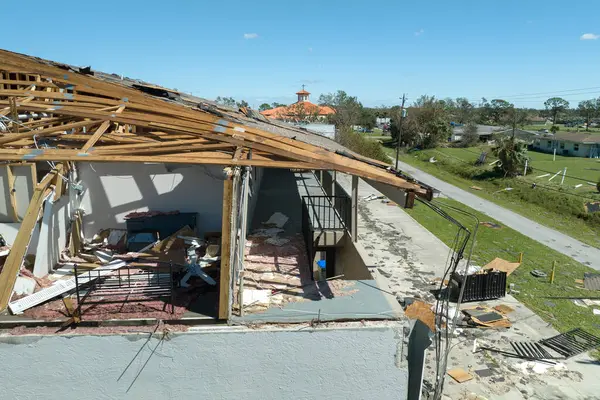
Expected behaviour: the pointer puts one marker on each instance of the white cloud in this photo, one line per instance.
(419, 32)
(589, 36)
(250, 35)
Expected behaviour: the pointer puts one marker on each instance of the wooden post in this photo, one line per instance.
(553, 272)
(520, 257)
(354, 216)
(333, 181)
(224, 282)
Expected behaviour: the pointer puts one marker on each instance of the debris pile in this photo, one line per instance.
(277, 271)
(112, 276)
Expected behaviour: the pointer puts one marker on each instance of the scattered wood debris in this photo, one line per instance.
(499, 264)
(421, 311)
(504, 309)
(460, 375)
(486, 317)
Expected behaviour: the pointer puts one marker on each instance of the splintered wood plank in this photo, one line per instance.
(5, 139)
(225, 277)
(105, 125)
(13, 263)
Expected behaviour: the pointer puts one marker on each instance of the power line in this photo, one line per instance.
(552, 92)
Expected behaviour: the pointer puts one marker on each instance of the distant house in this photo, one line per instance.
(484, 131)
(569, 144)
(539, 121)
(380, 121)
(528, 136)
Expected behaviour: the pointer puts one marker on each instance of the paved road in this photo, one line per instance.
(560, 242)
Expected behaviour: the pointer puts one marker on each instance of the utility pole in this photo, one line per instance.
(400, 130)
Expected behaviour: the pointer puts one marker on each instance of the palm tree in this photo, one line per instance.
(512, 154)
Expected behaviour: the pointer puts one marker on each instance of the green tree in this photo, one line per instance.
(464, 110)
(226, 101)
(512, 154)
(498, 108)
(347, 108)
(556, 105)
(515, 118)
(588, 109)
(367, 118)
(299, 112)
(264, 107)
(276, 104)
(469, 137)
(427, 123)
(554, 129)
(242, 103)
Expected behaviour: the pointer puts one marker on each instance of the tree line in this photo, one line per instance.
(430, 119)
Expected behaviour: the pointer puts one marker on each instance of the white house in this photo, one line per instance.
(570, 144)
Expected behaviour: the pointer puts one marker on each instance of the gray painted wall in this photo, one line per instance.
(52, 238)
(112, 190)
(357, 363)
(350, 262)
(255, 182)
(23, 185)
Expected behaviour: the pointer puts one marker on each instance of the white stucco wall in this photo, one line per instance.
(112, 190)
(542, 145)
(357, 363)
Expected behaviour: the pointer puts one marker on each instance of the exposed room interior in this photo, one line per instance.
(125, 202)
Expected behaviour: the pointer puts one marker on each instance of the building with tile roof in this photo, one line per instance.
(301, 110)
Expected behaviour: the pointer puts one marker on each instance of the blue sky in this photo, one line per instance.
(263, 51)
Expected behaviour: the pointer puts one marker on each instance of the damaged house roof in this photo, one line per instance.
(56, 112)
(76, 114)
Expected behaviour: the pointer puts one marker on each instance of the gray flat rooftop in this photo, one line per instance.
(365, 300)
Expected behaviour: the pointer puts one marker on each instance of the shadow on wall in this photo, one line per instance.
(113, 190)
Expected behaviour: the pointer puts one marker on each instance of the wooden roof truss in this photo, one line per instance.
(50, 112)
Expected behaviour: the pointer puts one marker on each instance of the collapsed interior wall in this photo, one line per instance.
(52, 237)
(113, 190)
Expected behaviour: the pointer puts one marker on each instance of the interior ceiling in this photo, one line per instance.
(67, 113)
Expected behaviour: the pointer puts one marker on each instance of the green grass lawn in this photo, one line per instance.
(585, 168)
(585, 231)
(545, 299)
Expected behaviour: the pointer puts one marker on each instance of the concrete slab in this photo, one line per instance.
(408, 257)
(364, 300)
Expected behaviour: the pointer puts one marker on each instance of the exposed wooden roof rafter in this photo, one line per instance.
(78, 117)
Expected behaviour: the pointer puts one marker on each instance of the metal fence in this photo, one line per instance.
(126, 285)
(327, 212)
